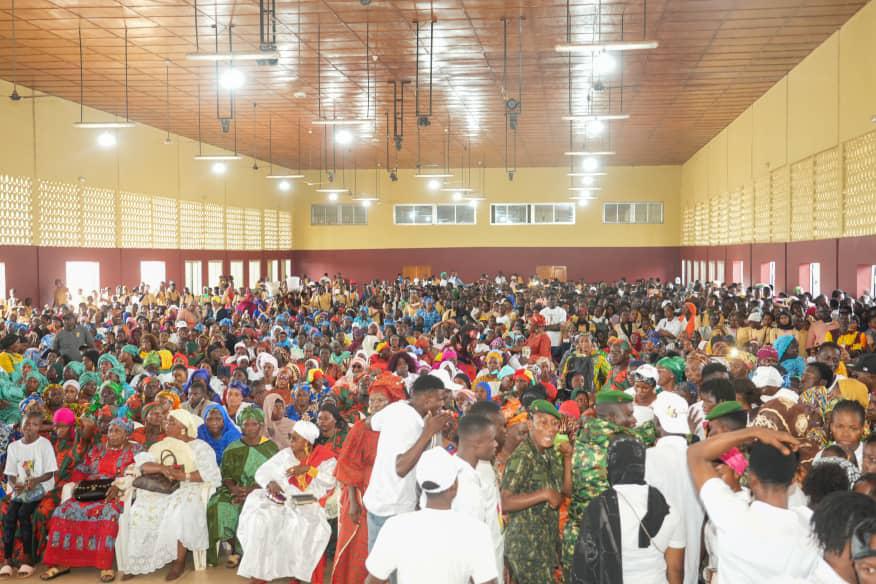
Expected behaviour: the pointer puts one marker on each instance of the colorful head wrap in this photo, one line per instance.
(39, 377)
(117, 389)
(229, 434)
(89, 377)
(76, 367)
(675, 365)
(782, 343)
(174, 399)
(165, 358)
(767, 352)
(124, 424)
(486, 388)
(390, 384)
(144, 413)
(152, 360)
(189, 421)
(33, 398)
(131, 350)
(251, 413)
(64, 417)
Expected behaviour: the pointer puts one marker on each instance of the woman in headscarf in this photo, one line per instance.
(240, 462)
(286, 513)
(158, 529)
(168, 400)
(83, 534)
(232, 399)
(151, 430)
(332, 427)
(88, 384)
(218, 430)
(277, 426)
(671, 373)
(785, 415)
(355, 462)
(788, 350)
(628, 533)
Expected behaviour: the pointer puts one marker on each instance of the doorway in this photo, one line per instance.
(82, 278)
(417, 272)
(152, 273)
(546, 273)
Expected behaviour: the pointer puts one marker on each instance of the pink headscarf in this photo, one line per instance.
(64, 417)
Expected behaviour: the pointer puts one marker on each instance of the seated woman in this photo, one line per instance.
(158, 529)
(271, 520)
(152, 430)
(217, 430)
(277, 426)
(240, 462)
(82, 534)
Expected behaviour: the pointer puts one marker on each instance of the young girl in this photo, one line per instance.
(846, 428)
(30, 471)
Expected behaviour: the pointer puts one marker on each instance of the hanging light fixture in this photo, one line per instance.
(217, 169)
(595, 48)
(99, 125)
(268, 56)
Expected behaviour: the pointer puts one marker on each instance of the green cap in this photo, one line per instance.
(724, 408)
(613, 396)
(541, 406)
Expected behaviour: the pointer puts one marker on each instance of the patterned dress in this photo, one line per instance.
(532, 537)
(590, 471)
(240, 462)
(82, 534)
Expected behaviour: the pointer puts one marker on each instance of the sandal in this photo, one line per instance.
(24, 571)
(6, 571)
(107, 575)
(53, 572)
(233, 561)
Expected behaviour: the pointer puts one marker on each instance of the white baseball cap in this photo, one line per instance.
(436, 471)
(648, 371)
(671, 410)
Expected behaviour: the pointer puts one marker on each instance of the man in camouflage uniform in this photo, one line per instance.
(537, 476)
(614, 415)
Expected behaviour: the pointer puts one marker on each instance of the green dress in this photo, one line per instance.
(532, 537)
(590, 472)
(239, 464)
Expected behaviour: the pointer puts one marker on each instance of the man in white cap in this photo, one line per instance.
(666, 469)
(283, 529)
(407, 429)
(401, 549)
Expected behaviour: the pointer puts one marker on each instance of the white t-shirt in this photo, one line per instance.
(554, 316)
(388, 494)
(493, 506)
(410, 544)
(26, 461)
(673, 325)
(645, 565)
(758, 542)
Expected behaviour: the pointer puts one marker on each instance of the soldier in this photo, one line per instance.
(537, 477)
(614, 415)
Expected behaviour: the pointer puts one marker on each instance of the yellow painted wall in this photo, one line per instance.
(531, 185)
(811, 133)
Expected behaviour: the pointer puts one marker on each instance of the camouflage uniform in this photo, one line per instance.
(532, 537)
(590, 472)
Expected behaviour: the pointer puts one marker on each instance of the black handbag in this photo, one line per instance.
(157, 482)
(92, 490)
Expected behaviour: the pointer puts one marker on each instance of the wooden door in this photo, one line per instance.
(417, 271)
(551, 273)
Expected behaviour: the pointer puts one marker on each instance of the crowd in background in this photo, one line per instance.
(332, 431)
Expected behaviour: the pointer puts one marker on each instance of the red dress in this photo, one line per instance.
(354, 469)
(540, 345)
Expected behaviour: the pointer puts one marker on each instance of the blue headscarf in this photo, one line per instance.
(487, 389)
(781, 345)
(230, 433)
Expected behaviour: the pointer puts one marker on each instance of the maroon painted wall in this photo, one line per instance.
(590, 263)
(32, 270)
(840, 260)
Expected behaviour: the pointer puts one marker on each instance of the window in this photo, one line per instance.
(153, 274)
(719, 272)
(683, 273)
(82, 279)
(2, 281)
(689, 272)
(739, 272)
(532, 214)
(273, 270)
(711, 272)
(194, 276)
(696, 271)
(815, 279)
(768, 273)
(632, 213)
(455, 214)
(255, 272)
(338, 215)
(237, 272)
(287, 268)
(214, 272)
(414, 214)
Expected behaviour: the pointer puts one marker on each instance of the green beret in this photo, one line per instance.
(613, 397)
(724, 408)
(541, 406)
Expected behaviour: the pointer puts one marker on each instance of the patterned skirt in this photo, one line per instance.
(83, 534)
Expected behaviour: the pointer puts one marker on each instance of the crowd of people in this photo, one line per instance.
(505, 430)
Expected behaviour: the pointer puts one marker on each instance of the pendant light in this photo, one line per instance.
(212, 157)
(99, 125)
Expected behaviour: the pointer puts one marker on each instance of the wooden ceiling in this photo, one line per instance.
(715, 58)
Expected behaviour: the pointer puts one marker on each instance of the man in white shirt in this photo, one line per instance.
(554, 317)
(407, 542)
(766, 541)
(490, 480)
(406, 431)
(666, 469)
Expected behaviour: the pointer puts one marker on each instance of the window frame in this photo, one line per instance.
(632, 214)
(355, 211)
(433, 209)
(530, 213)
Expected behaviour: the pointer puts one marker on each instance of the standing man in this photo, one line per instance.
(490, 481)
(407, 429)
(537, 477)
(403, 549)
(554, 318)
(61, 295)
(71, 339)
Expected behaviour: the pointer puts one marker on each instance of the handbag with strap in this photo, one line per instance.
(92, 490)
(157, 482)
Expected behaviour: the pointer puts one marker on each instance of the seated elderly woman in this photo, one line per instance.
(158, 528)
(286, 513)
(83, 533)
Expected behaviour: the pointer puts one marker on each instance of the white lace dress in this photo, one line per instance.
(150, 528)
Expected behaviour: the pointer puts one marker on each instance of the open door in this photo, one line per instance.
(417, 271)
(551, 273)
